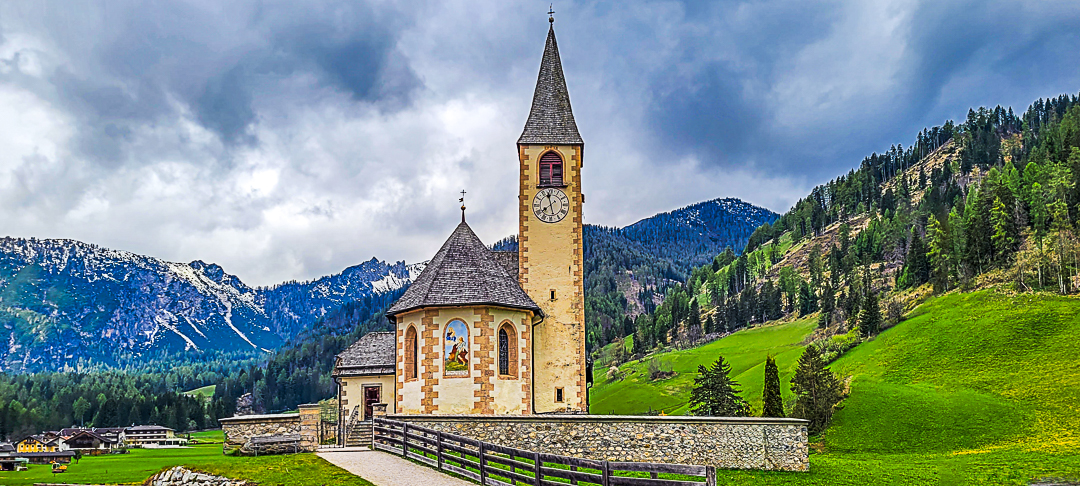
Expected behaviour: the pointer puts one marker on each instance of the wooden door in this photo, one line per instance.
(371, 397)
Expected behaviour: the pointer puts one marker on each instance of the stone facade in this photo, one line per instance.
(240, 430)
(180, 476)
(723, 442)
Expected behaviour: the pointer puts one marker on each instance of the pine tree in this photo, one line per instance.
(772, 402)
(716, 394)
(1002, 237)
(870, 316)
(816, 389)
(940, 253)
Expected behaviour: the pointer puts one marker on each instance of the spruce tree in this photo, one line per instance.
(870, 316)
(816, 389)
(772, 402)
(716, 394)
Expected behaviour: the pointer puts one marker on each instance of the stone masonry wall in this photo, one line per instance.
(731, 443)
(239, 430)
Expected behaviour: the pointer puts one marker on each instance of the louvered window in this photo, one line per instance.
(551, 169)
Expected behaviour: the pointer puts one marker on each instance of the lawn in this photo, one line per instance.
(206, 392)
(744, 350)
(139, 464)
(976, 388)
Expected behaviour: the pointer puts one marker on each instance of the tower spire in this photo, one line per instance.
(551, 120)
(462, 201)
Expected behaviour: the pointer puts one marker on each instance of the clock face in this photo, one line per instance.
(551, 205)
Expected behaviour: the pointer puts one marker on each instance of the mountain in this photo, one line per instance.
(65, 304)
(628, 270)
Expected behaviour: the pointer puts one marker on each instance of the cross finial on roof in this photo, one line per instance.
(462, 201)
(551, 13)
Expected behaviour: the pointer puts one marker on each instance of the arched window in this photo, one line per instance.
(551, 169)
(411, 370)
(507, 350)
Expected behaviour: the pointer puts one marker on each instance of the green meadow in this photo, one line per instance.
(139, 464)
(972, 388)
(745, 351)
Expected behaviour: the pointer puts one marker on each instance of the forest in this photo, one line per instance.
(1001, 203)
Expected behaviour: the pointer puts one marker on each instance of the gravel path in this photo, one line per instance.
(384, 469)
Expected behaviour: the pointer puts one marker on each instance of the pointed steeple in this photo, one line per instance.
(551, 121)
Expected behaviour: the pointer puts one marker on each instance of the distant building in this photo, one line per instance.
(88, 442)
(46, 442)
(141, 435)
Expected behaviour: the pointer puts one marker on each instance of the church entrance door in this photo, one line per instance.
(371, 397)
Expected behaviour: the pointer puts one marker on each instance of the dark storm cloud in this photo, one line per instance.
(316, 134)
(219, 61)
(727, 112)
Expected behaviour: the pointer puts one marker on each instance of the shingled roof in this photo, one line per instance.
(463, 272)
(372, 354)
(551, 121)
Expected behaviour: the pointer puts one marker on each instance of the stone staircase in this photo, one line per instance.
(359, 435)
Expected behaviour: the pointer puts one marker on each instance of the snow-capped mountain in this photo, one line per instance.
(64, 303)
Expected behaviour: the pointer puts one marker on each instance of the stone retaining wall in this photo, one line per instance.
(239, 430)
(180, 476)
(723, 442)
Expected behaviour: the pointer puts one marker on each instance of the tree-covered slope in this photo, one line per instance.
(972, 388)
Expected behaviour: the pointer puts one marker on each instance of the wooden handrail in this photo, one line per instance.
(479, 461)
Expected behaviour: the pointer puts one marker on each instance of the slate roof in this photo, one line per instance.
(508, 260)
(551, 121)
(373, 354)
(463, 272)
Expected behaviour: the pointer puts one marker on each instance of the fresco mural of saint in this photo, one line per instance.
(456, 354)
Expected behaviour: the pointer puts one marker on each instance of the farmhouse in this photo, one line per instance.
(487, 332)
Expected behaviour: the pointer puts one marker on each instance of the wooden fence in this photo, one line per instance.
(492, 464)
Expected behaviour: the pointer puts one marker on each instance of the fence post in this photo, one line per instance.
(405, 439)
(606, 475)
(710, 476)
(483, 469)
(537, 464)
(573, 481)
(438, 437)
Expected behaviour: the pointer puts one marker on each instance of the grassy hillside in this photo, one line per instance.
(206, 392)
(972, 388)
(744, 350)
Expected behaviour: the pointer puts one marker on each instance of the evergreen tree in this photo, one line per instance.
(772, 402)
(828, 305)
(870, 316)
(816, 389)
(716, 394)
(1003, 236)
(940, 253)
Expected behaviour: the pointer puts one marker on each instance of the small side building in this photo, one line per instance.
(364, 373)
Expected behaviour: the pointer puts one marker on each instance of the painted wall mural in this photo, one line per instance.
(456, 349)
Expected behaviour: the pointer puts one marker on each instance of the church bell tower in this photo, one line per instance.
(550, 252)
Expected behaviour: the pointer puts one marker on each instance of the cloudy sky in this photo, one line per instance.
(288, 140)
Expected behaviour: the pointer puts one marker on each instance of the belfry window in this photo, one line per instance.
(410, 354)
(551, 169)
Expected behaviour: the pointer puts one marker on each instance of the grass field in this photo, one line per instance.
(744, 350)
(206, 392)
(139, 464)
(973, 388)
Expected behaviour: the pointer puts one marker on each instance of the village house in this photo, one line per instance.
(493, 332)
(154, 435)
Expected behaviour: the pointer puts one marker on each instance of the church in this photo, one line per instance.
(493, 332)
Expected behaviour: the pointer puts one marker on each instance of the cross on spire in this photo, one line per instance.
(551, 13)
(462, 201)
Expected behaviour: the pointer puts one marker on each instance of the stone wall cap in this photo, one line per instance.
(276, 417)
(668, 419)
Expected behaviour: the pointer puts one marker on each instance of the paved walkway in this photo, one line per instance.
(384, 469)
